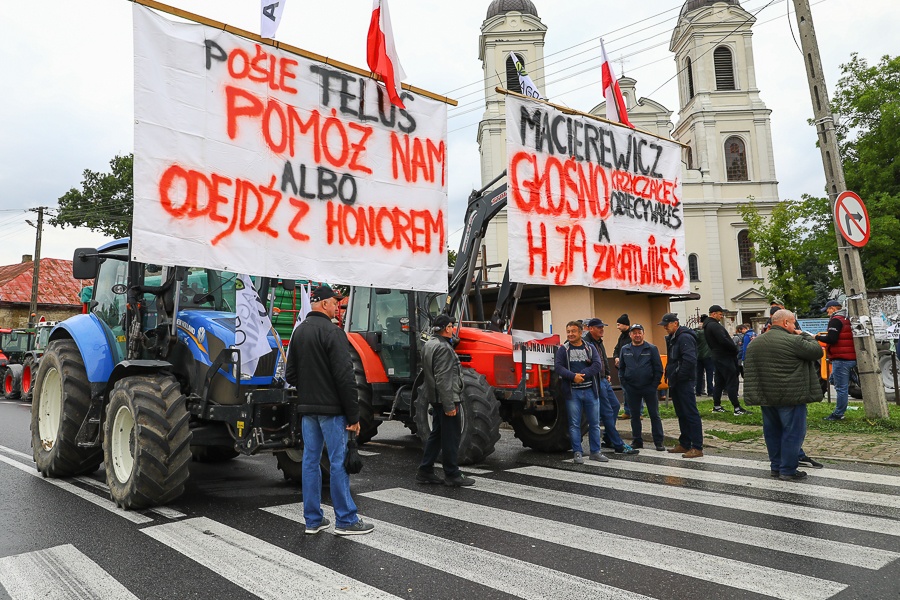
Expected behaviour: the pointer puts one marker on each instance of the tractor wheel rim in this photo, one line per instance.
(8, 384)
(50, 405)
(26, 380)
(122, 444)
(295, 454)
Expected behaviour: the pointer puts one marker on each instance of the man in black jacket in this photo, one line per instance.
(319, 366)
(442, 390)
(681, 371)
(623, 324)
(640, 371)
(724, 354)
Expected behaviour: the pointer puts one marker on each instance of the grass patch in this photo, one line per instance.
(740, 436)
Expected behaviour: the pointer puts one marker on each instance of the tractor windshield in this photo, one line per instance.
(208, 289)
(14, 341)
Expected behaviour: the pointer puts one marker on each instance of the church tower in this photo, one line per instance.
(510, 26)
(728, 157)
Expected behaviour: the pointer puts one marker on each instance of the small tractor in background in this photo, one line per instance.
(16, 345)
(40, 340)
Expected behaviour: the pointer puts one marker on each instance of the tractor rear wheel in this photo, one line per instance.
(368, 425)
(12, 382)
(147, 443)
(62, 397)
(547, 430)
(480, 414)
(290, 463)
(29, 368)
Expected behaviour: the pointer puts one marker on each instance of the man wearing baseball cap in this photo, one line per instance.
(640, 371)
(725, 356)
(681, 373)
(841, 353)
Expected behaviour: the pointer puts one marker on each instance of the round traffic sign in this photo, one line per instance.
(852, 219)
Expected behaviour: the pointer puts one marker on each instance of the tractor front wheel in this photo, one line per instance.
(12, 382)
(546, 430)
(29, 368)
(368, 425)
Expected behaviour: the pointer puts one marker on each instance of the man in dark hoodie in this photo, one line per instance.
(724, 354)
(681, 370)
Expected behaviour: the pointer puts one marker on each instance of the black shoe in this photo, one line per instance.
(833, 417)
(605, 445)
(459, 481)
(637, 444)
(628, 450)
(660, 448)
(798, 476)
(811, 463)
(741, 411)
(775, 474)
(424, 477)
(718, 409)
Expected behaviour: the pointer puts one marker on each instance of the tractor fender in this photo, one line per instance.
(88, 334)
(127, 368)
(372, 365)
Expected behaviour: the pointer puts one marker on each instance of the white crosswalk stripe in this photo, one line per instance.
(762, 483)
(60, 572)
(259, 567)
(503, 573)
(724, 571)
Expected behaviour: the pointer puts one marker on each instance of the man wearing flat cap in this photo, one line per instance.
(681, 373)
(319, 366)
(842, 354)
(442, 391)
(725, 357)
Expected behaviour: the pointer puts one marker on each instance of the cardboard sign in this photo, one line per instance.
(255, 160)
(591, 203)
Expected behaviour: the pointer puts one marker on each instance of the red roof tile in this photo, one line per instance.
(56, 286)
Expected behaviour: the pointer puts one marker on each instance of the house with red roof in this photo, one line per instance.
(58, 291)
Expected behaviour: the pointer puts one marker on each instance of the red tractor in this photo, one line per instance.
(387, 328)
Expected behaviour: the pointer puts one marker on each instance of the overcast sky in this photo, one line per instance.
(68, 102)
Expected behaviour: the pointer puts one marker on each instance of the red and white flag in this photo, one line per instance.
(615, 103)
(381, 53)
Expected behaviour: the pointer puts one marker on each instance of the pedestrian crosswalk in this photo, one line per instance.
(633, 528)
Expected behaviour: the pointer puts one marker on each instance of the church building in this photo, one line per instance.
(724, 128)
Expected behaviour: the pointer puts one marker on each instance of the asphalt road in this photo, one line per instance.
(534, 526)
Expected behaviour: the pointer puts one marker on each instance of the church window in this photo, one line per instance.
(724, 68)
(689, 70)
(735, 159)
(694, 267)
(745, 254)
(689, 157)
(512, 75)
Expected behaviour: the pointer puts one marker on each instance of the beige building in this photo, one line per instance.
(728, 157)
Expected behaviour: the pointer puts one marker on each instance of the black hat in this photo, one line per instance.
(773, 310)
(831, 303)
(669, 318)
(595, 322)
(323, 292)
(716, 308)
(636, 326)
(624, 320)
(441, 321)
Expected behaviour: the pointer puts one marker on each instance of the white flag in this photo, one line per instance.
(251, 327)
(305, 306)
(270, 17)
(525, 82)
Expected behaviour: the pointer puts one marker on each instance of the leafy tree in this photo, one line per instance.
(868, 102)
(104, 203)
(451, 257)
(796, 244)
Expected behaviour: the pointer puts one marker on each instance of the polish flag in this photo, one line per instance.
(615, 103)
(381, 53)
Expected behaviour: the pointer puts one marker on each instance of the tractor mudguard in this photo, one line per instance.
(137, 367)
(88, 334)
(372, 365)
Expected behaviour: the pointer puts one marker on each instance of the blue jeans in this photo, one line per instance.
(584, 401)
(609, 410)
(330, 431)
(784, 428)
(840, 370)
(647, 395)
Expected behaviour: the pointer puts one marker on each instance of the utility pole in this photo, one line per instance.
(36, 268)
(848, 256)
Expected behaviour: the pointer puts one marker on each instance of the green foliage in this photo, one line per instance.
(451, 257)
(868, 102)
(797, 245)
(104, 203)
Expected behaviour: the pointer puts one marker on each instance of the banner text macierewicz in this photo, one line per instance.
(254, 160)
(591, 203)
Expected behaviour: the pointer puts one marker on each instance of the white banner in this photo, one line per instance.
(591, 203)
(254, 160)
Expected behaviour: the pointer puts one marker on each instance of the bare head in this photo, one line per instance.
(784, 318)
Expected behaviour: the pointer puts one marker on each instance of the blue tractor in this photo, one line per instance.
(149, 379)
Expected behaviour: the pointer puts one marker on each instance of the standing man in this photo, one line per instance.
(609, 404)
(705, 365)
(623, 324)
(319, 366)
(442, 390)
(681, 369)
(842, 354)
(577, 364)
(783, 388)
(724, 354)
(640, 371)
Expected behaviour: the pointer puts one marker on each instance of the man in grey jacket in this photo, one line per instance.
(442, 390)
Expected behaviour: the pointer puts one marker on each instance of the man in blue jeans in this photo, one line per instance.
(609, 404)
(319, 366)
(842, 354)
(780, 376)
(577, 364)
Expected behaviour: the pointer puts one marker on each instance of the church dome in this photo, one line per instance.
(692, 5)
(498, 7)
